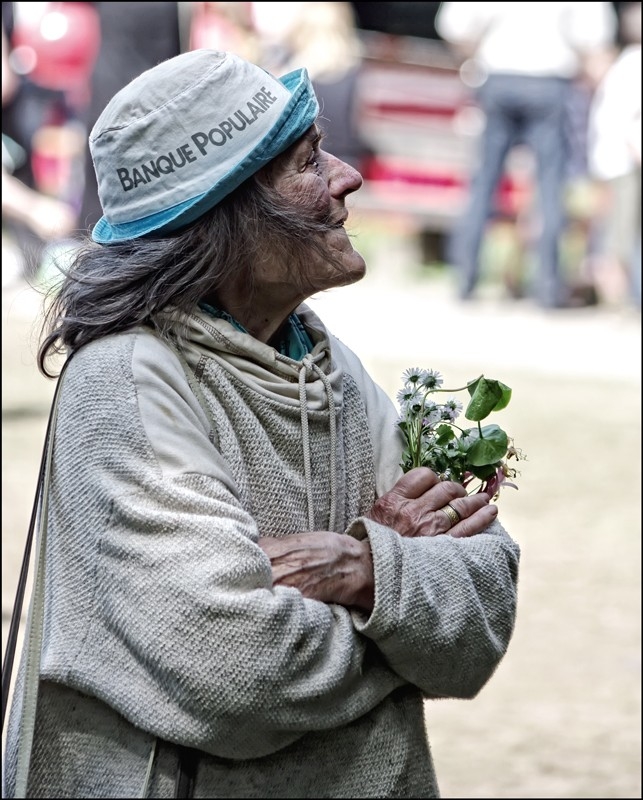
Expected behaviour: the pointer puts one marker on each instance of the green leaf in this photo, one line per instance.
(483, 472)
(504, 400)
(486, 396)
(489, 448)
(444, 434)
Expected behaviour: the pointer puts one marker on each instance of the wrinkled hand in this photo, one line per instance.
(412, 506)
(336, 568)
(326, 566)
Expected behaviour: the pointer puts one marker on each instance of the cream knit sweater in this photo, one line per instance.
(161, 617)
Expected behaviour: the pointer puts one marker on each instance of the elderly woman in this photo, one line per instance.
(240, 587)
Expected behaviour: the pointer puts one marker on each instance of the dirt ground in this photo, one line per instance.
(561, 718)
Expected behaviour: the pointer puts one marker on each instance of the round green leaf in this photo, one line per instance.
(505, 397)
(489, 448)
(485, 395)
(483, 472)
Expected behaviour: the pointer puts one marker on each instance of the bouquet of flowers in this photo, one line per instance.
(477, 457)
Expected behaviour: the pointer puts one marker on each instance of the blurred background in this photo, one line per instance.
(487, 253)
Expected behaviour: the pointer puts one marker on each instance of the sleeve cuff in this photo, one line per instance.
(386, 549)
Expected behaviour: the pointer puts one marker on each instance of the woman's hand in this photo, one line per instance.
(336, 568)
(413, 507)
(326, 566)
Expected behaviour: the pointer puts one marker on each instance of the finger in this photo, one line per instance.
(415, 483)
(468, 504)
(476, 523)
(441, 493)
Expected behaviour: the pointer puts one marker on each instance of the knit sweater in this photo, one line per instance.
(161, 619)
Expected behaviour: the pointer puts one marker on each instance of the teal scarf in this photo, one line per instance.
(292, 340)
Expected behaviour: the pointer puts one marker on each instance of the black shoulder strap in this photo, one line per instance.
(16, 614)
(188, 758)
(186, 772)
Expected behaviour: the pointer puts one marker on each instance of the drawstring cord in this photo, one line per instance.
(305, 440)
(309, 364)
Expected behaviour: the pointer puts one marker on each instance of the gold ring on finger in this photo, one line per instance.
(451, 513)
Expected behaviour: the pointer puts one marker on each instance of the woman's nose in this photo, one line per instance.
(344, 179)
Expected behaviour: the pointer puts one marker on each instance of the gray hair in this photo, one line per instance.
(108, 289)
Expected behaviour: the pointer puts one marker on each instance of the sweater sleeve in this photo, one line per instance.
(445, 607)
(160, 600)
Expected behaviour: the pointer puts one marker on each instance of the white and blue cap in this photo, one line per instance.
(184, 134)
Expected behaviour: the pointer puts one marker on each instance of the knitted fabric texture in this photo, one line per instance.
(161, 618)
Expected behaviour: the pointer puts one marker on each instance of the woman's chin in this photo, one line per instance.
(355, 266)
(356, 269)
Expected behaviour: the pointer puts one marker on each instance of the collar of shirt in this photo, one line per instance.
(292, 340)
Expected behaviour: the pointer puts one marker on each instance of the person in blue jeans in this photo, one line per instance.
(527, 56)
(529, 110)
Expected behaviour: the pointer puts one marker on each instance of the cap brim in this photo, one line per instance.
(299, 114)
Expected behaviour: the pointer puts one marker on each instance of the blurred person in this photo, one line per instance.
(225, 26)
(615, 162)
(26, 105)
(272, 21)
(237, 574)
(51, 51)
(127, 48)
(31, 216)
(323, 38)
(524, 58)
(10, 80)
(47, 217)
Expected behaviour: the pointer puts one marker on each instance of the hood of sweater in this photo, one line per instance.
(312, 384)
(260, 364)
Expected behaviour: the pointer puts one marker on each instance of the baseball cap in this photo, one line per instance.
(181, 136)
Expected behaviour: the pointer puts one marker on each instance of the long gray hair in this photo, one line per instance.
(109, 289)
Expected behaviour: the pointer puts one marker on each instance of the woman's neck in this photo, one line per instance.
(262, 320)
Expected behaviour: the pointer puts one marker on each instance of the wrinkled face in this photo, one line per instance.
(318, 183)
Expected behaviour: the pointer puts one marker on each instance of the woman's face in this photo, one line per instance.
(318, 183)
